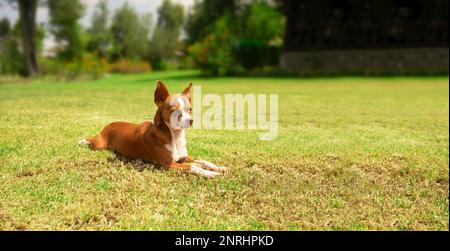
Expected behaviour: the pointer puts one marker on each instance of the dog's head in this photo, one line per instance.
(174, 110)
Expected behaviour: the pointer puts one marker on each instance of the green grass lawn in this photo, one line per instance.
(352, 153)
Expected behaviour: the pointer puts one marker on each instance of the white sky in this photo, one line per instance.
(141, 6)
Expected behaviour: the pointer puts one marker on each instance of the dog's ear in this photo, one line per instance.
(161, 94)
(188, 91)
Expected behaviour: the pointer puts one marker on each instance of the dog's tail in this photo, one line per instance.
(98, 142)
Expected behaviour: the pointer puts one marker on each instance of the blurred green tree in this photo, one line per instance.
(130, 33)
(64, 16)
(11, 53)
(214, 52)
(261, 21)
(100, 39)
(165, 40)
(11, 57)
(5, 27)
(247, 36)
(261, 32)
(205, 14)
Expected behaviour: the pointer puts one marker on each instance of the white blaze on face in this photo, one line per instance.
(181, 117)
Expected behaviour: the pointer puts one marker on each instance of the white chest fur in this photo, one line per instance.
(178, 145)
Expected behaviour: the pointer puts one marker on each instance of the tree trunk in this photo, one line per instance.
(27, 11)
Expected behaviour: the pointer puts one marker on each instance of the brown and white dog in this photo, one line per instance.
(163, 141)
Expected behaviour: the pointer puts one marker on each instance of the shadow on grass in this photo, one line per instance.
(138, 165)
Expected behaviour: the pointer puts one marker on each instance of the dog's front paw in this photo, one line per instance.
(222, 169)
(210, 174)
(211, 166)
(202, 172)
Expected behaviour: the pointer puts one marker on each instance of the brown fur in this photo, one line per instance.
(145, 141)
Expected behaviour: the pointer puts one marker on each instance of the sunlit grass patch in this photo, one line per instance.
(352, 153)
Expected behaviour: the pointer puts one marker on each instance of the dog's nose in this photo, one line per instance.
(191, 121)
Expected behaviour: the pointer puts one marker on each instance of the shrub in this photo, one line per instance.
(262, 22)
(128, 66)
(51, 67)
(186, 63)
(243, 42)
(88, 66)
(256, 53)
(214, 53)
(11, 61)
(180, 63)
(93, 66)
